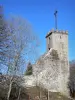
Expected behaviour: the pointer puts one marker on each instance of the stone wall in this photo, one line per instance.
(51, 73)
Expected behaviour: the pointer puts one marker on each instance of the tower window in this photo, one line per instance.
(49, 48)
(60, 37)
(49, 38)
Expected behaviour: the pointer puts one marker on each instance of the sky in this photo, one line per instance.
(40, 14)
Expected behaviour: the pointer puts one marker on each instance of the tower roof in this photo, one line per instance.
(56, 31)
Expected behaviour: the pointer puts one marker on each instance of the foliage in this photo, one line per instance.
(54, 54)
(29, 69)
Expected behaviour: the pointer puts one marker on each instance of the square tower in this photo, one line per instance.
(58, 40)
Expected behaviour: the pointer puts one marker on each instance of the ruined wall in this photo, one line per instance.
(50, 73)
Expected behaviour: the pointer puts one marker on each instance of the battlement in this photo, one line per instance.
(56, 31)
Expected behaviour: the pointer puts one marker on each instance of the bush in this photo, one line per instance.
(54, 54)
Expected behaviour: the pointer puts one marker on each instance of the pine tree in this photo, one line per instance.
(29, 69)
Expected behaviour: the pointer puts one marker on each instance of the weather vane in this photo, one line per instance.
(55, 14)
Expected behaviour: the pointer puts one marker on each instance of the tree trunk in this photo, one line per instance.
(48, 94)
(10, 86)
(40, 93)
(19, 94)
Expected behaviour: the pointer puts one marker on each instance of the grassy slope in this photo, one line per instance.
(34, 91)
(26, 92)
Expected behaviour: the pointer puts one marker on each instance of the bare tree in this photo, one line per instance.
(72, 78)
(24, 43)
(23, 46)
(4, 37)
(4, 41)
(10, 86)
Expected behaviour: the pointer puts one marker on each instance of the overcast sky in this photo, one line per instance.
(40, 13)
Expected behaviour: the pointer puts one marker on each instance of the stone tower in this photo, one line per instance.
(58, 40)
(52, 70)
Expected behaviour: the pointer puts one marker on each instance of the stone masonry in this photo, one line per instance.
(51, 71)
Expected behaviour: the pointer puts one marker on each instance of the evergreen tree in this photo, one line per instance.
(29, 69)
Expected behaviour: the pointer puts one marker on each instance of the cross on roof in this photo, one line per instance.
(55, 14)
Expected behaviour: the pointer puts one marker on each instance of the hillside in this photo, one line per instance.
(31, 93)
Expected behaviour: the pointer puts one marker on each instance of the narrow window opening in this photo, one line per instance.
(49, 38)
(60, 37)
